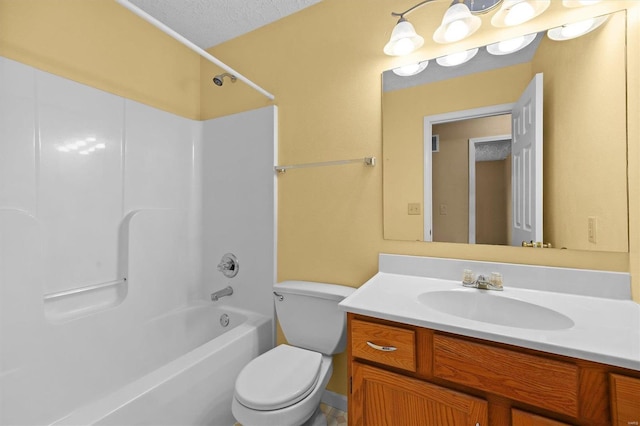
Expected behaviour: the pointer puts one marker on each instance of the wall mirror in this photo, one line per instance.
(449, 129)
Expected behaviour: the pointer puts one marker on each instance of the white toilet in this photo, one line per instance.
(283, 386)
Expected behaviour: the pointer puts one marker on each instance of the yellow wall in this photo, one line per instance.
(404, 111)
(101, 44)
(583, 176)
(491, 202)
(324, 65)
(450, 188)
(451, 176)
(633, 149)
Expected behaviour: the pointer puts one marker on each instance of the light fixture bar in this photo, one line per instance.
(411, 9)
(165, 29)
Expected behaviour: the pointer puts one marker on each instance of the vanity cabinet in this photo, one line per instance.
(407, 375)
(387, 398)
(522, 418)
(625, 400)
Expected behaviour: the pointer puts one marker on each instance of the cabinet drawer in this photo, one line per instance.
(535, 380)
(625, 400)
(388, 345)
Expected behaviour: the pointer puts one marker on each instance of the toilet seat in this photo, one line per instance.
(279, 378)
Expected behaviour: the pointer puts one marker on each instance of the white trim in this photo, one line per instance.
(472, 179)
(427, 177)
(274, 182)
(472, 191)
(335, 400)
(447, 117)
(165, 29)
(486, 111)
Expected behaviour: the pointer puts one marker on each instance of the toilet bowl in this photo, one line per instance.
(281, 387)
(284, 386)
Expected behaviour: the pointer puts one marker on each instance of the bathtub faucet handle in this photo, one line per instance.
(225, 265)
(229, 265)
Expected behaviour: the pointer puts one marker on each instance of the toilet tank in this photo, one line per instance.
(309, 315)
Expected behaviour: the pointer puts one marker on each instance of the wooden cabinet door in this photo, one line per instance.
(522, 418)
(384, 398)
(625, 400)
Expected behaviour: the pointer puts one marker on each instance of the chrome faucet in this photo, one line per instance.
(482, 283)
(227, 291)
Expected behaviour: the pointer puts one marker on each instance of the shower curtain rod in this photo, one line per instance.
(162, 27)
(367, 161)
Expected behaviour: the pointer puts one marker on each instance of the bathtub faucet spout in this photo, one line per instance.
(227, 291)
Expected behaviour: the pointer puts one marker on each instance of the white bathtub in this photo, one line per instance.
(193, 385)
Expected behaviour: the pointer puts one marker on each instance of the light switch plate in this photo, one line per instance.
(413, 208)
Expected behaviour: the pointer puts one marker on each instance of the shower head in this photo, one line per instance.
(218, 79)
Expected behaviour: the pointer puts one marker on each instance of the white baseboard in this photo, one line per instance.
(335, 400)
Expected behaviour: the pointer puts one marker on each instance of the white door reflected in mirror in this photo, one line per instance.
(505, 195)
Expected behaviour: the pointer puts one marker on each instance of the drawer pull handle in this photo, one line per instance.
(381, 348)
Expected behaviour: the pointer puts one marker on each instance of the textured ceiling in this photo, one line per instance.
(210, 22)
(493, 151)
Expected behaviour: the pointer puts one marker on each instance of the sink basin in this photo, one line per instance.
(491, 307)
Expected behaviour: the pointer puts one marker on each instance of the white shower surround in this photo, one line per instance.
(162, 169)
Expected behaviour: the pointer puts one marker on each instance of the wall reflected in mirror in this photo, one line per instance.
(472, 207)
(584, 144)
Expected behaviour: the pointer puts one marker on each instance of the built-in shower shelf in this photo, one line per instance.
(77, 302)
(82, 301)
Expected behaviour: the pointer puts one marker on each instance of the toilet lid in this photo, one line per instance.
(278, 378)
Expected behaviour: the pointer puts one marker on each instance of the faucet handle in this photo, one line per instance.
(496, 280)
(468, 279)
(229, 265)
(225, 265)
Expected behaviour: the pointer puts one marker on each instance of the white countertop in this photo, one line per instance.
(605, 330)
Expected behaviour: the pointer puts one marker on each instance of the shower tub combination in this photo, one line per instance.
(194, 388)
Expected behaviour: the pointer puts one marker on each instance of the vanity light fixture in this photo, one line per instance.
(579, 3)
(458, 58)
(576, 29)
(513, 45)
(404, 38)
(458, 23)
(410, 69)
(516, 12)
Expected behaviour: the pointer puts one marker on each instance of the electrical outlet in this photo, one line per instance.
(443, 210)
(592, 229)
(413, 208)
